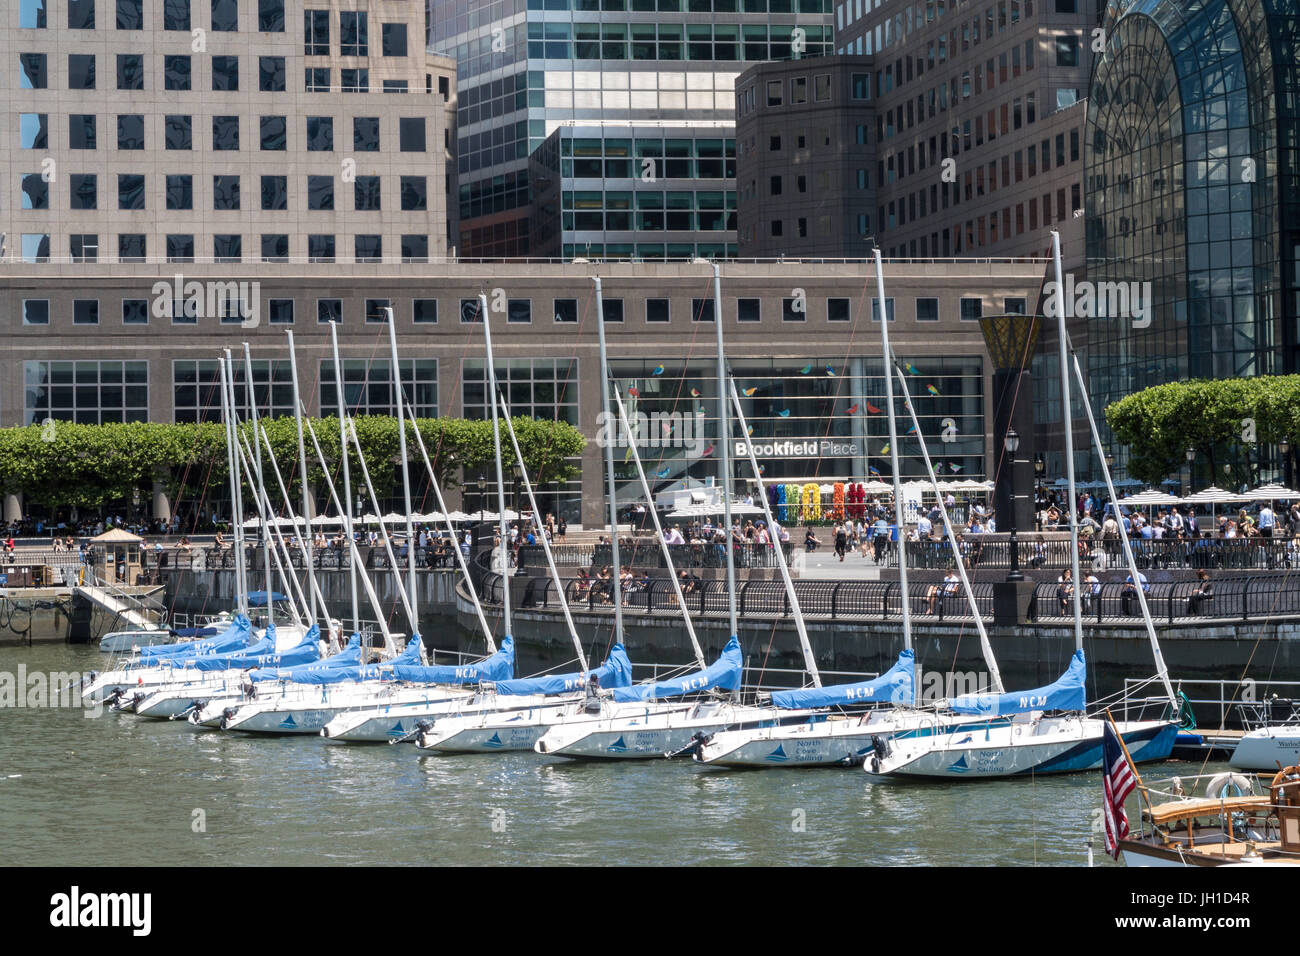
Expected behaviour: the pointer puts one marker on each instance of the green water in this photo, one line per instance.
(117, 789)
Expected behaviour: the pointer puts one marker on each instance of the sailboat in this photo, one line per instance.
(1048, 730)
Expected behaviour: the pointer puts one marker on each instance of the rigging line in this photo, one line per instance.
(771, 639)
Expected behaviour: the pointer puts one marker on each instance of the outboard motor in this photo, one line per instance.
(879, 751)
(226, 715)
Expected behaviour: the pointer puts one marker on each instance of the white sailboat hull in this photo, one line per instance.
(1028, 744)
(308, 711)
(394, 720)
(1268, 748)
(653, 730)
(495, 732)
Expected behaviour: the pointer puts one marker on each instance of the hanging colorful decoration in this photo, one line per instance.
(792, 502)
(659, 370)
(634, 391)
(932, 390)
(812, 502)
(830, 370)
(784, 413)
(695, 393)
(838, 511)
(912, 369)
(778, 501)
(747, 392)
(851, 410)
(871, 409)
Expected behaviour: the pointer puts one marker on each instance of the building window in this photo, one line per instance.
(320, 248)
(354, 37)
(320, 134)
(393, 37)
(794, 309)
(1067, 51)
(86, 392)
(176, 73)
(81, 14)
(225, 74)
(329, 310)
(36, 246)
(613, 310)
(131, 247)
(130, 191)
(889, 309)
(320, 192)
(225, 15)
(180, 191)
(275, 247)
(519, 310)
(1016, 306)
(972, 310)
(130, 71)
(225, 193)
(749, 310)
(196, 385)
(773, 92)
(275, 193)
(176, 15)
(135, 311)
(376, 311)
(33, 130)
(316, 32)
(130, 131)
(366, 193)
(36, 311)
(85, 190)
(270, 16)
(368, 385)
(656, 310)
(273, 133)
(368, 248)
(85, 312)
(178, 132)
(317, 79)
(702, 310)
(566, 310)
(415, 248)
(180, 248)
(821, 87)
(227, 247)
(396, 86)
(31, 14)
(927, 310)
(280, 311)
(85, 247)
(410, 132)
(271, 74)
(225, 132)
(81, 71)
(838, 310)
(81, 131)
(354, 80)
(365, 134)
(469, 311)
(424, 311)
(32, 71)
(414, 193)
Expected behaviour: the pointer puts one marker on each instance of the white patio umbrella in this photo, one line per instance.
(326, 519)
(1273, 492)
(394, 518)
(1149, 498)
(1213, 496)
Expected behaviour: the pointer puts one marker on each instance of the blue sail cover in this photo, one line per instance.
(350, 656)
(500, 666)
(1067, 693)
(262, 654)
(894, 686)
(615, 672)
(234, 638)
(724, 674)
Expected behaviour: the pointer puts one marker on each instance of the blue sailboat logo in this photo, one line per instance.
(778, 755)
(618, 746)
(960, 766)
(288, 723)
(396, 730)
(493, 741)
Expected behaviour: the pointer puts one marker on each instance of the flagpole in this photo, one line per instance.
(1142, 787)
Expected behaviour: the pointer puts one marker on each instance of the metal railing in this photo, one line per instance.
(645, 552)
(1225, 554)
(1239, 597)
(1240, 703)
(834, 600)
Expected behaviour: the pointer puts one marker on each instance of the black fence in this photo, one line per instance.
(1237, 597)
(1211, 554)
(646, 553)
(856, 600)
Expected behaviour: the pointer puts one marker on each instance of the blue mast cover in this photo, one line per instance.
(724, 674)
(235, 637)
(500, 666)
(1067, 693)
(894, 686)
(262, 654)
(350, 656)
(615, 672)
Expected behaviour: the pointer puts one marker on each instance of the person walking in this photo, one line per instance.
(841, 541)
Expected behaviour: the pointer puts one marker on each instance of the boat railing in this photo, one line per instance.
(754, 680)
(1240, 703)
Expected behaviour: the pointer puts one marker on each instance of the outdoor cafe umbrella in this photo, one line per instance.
(1273, 492)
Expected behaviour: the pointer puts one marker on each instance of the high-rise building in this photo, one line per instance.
(628, 105)
(190, 130)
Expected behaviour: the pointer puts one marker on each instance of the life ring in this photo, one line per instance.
(1217, 788)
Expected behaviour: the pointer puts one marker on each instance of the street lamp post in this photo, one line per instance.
(1040, 469)
(1012, 443)
(1191, 460)
(480, 486)
(1284, 446)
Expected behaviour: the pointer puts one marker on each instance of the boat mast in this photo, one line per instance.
(406, 476)
(887, 360)
(617, 585)
(227, 415)
(280, 551)
(546, 545)
(241, 566)
(501, 482)
(306, 507)
(346, 512)
(1161, 669)
(809, 660)
(257, 468)
(659, 531)
(1068, 418)
(724, 463)
(994, 674)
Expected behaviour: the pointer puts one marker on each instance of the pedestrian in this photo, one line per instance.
(841, 541)
(1204, 590)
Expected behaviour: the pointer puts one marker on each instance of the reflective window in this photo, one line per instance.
(225, 193)
(225, 132)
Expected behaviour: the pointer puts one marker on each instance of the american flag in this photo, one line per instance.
(1118, 782)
